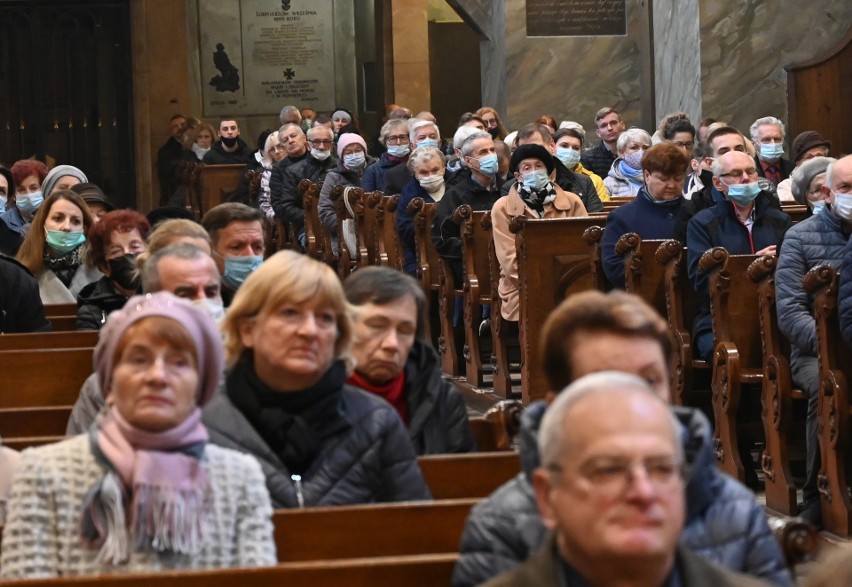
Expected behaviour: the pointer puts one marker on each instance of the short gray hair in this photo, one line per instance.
(421, 154)
(763, 121)
(416, 123)
(287, 110)
(288, 125)
(151, 270)
(467, 145)
(390, 126)
(551, 436)
(312, 132)
(461, 134)
(633, 134)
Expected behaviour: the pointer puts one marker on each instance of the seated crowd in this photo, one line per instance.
(229, 381)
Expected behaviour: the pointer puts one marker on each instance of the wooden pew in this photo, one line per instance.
(797, 212)
(593, 237)
(501, 376)
(45, 377)
(737, 359)
(388, 248)
(497, 429)
(368, 227)
(643, 275)
(314, 241)
(471, 475)
(412, 571)
(33, 422)
(360, 531)
(681, 307)
(553, 262)
(51, 310)
(835, 373)
(49, 340)
(349, 205)
(217, 183)
(777, 394)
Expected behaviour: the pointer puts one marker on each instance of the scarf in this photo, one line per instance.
(630, 174)
(293, 424)
(537, 199)
(65, 266)
(392, 392)
(159, 474)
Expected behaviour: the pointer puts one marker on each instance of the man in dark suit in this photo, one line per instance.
(168, 155)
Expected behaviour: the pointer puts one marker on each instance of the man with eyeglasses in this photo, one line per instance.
(394, 137)
(588, 333)
(822, 238)
(284, 185)
(745, 223)
(611, 492)
(767, 134)
(421, 133)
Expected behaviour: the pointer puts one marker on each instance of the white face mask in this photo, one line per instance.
(213, 307)
(842, 205)
(432, 183)
(320, 155)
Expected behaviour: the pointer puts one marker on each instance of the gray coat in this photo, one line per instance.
(53, 291)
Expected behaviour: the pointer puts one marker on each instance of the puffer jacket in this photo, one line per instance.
(724, 523)
(618, 184)
(438, 414)
(338, 175)
(370, 460)
(819, 239)
(95, 302)
(845, 296)
(284, 187)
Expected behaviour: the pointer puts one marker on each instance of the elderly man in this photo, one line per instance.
(230, 149)
(236, 231)
(421, 133)
(806, 146)
(284, 184)
(608, 125)
(292, 137)
(290, 115)
(186, 271)
(745, 223)
(576, 183)
(767, 134)
(591, 332)
(822, 238)
(610, 490)
(475, 186)
(394, 361)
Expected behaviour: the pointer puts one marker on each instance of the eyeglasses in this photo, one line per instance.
(613, 476)
(396, 140)
(738, 173)
(320, 143)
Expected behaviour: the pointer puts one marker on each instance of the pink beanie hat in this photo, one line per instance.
(201, 328)
(347, 139)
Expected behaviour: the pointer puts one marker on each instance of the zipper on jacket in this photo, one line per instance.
(297, 483)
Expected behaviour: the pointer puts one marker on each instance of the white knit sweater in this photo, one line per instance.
(42, 533)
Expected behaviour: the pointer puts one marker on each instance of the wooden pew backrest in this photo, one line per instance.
(47, 377)
(468, 475)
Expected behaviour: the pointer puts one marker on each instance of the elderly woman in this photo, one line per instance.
(353, 159)
(53, 250)
(62, 177)
(394, 136)
(806, 183)
(320, 441)
(654, 212)
(394, 361)
(143, 490)
(428, 168)
(114, 244)
(273, 152)
(625, 175)
(533, 195)
(28, 176)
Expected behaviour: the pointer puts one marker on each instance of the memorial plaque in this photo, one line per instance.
(258, 55)
(576, 18)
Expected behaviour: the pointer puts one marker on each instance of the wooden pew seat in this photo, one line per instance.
(49, 340)
(46, 377)
(468, 475)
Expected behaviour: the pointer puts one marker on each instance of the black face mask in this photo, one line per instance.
(494, 132)
(122, 271)
(229, 142)
(706, 177)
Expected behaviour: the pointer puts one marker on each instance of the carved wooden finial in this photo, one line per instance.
(819, 277)
(713, 258)
(414, 206)
(629, 241)
(761, 268)
(516, 224)
(593, 235)
(668, 251)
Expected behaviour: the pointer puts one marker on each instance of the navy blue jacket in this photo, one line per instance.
(845, 296)
(405, 223)
(719, 227)
(647, 218)
(724, 522)
(374, 175)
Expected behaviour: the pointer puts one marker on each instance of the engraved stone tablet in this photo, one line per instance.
(576, 18)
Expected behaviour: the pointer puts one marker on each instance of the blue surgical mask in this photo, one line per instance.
(354, 160)
(535, 180)
(819, 206)
(399, 150)
(842, 205)
(771, 151)
(63, 242)
(568, 156)
(488, 164)
(29, 203)
(743, 194)
(237, 269)
(427, 143)
(3, 201)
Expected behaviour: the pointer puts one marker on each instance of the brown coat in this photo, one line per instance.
(566, 205)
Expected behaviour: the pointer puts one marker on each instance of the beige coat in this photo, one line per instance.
(566, 205)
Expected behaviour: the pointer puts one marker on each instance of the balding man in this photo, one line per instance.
(610, 490)
(822, 238)
(745, 223)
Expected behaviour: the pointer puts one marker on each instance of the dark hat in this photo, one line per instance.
(531, 152)
(92, 194)
(806, 141)
(157, 215)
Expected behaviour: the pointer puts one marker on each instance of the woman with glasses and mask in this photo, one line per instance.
(394, 137)
(54, 249)
(114, 244)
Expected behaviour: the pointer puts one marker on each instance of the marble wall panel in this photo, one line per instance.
(677, 58)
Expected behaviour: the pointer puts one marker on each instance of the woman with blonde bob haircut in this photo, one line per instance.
(320, 441)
